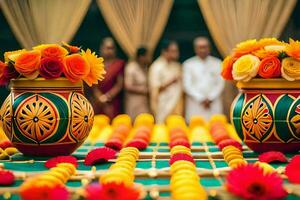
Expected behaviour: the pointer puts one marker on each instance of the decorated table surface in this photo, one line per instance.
(152, 172)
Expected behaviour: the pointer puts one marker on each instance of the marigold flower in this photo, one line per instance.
(293, 49)
(245, 47)
(96, 67)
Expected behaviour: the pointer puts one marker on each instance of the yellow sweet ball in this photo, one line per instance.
(197, 121)
(144, 119)
(265, 166)
(126, 156)
(230, 156)
(68, 166)
(50, 178)
(218, 118)
(3, 154)
(126, 160)
(175, 168)
(183, 182)
(58, 175)
(189, 192)
(117, 178)
(181, 162)
(180, 149)
(231, 149)
(122, 119)
(62, 171)
(237, 162)
(11, 151)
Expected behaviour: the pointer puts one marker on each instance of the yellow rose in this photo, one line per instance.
(245, 68)
(290, 69)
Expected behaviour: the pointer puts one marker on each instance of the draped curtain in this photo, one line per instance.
(232, 21)
(136, 23)
(44, 21)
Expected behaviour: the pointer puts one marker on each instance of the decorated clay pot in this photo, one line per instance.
(46, 117)
(266, 114)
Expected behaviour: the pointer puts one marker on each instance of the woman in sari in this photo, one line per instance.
(107, 97)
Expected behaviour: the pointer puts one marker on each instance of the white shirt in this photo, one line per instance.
(202, 80)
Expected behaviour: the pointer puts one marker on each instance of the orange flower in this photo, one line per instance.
(245, 47)
(268, 41)
(270, 68)
(51, 50)
(262, 53)
(27, 64)
(12, 55)
(70, 48)
(227, 68)
(293, 49)
(269, 47)
(96, 67)
(75, 67)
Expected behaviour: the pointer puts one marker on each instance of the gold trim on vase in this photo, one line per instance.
(23, 83)
(259, 83)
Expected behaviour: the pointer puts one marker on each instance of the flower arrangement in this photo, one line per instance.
(265, 58)
(52, 61)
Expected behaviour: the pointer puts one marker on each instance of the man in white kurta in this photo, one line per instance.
(202, 82)
(166, 96)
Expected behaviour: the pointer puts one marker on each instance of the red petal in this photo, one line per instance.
(6, 177)
(292, 170)
(137, 143)
(5, 144)
(114, 144)
(272, 156)
(52, 162)
(231, 142)
(181, 156)
(99, 155)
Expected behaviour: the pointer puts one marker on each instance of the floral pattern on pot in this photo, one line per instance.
(257, 118)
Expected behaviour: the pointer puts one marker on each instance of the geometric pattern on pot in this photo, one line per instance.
(286, 118)
(6, 116)
(40, 118)
(257, 118)
(293, 119)
(236, 112)
(82, 116)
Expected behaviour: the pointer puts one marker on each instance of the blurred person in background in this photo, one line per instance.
(107, 97)
(202, 82)
(136, 84)
(165, 83)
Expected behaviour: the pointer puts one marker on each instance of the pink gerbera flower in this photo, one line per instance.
(249, 182)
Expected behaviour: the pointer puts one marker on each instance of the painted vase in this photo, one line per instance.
(266, 114)
(46, 117)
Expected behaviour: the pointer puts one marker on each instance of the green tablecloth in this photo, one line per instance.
(22, 163)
